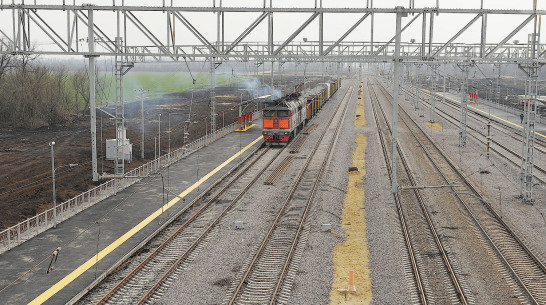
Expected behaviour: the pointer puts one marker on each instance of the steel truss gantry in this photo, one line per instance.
(529, 117)
(134, 39)
(531, 93)
(141, 41)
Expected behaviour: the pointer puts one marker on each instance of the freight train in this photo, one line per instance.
(285, 117)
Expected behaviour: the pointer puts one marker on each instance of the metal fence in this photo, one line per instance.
(541, 119)
(33, 226)
(509, 109)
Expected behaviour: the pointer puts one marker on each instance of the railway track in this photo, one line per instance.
(526, 268)
(455, 121)
(435, 277)
(266, 278)
(310, 129)
(504, 128)
(145, 279)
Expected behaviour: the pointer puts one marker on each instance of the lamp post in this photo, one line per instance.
(141, 91)
(159, 136)
(241, 105)
(223, 118)
(53, 170)
(169, 131)
(169, 140)
(53, 175)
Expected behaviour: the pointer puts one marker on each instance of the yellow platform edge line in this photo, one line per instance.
(46, 295)
(246, 128)
(492, 115)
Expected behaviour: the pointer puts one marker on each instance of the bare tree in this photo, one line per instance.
(33, 94)
(5, 59)
(80, 83)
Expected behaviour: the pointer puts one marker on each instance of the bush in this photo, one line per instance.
(33, 95)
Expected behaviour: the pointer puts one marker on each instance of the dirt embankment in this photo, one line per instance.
(25, 178)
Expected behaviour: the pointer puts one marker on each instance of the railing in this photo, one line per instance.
(541, 119)
(25, 230)
(509, 109)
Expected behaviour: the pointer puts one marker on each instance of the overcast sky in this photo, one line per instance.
(285, 23)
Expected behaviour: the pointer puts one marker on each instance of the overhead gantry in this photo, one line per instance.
(131, 35)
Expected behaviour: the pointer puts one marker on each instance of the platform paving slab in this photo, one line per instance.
(497, 114)
(101, 225)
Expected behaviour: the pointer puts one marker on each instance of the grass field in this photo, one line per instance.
(157, 84)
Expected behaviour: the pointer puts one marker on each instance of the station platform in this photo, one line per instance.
(96, 238)
(499, 114)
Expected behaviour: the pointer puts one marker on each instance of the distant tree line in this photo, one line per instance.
(34, 95)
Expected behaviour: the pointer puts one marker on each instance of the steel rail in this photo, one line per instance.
(447, 263)
(478, 115)
(186, 254)
(517, 241)
(158, 250)
(112, 269)
(405, 231)
(309, 202)
(284, 206)
(509, 150)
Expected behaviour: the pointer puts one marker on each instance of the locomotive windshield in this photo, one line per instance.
(282, 113)
(269, 113)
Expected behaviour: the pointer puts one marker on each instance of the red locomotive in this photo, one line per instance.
(286, 116)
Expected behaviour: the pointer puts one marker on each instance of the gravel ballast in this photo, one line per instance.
(210, 276)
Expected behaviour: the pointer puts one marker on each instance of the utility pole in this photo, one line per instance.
(212, 96)
(53, 177)
(465, 67)
(120, 124)
(432, 115)
(141, 123)
(169, 140)
(399, 14)
(360, 72)
(338, 71)
(529, 116)
(122, 67)
(272, 86)
(92, 94)
(159, 136)
(498, 66)
(416, 88)
(444, 95)
(304, 73)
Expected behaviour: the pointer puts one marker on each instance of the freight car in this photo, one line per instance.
(285, 117)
